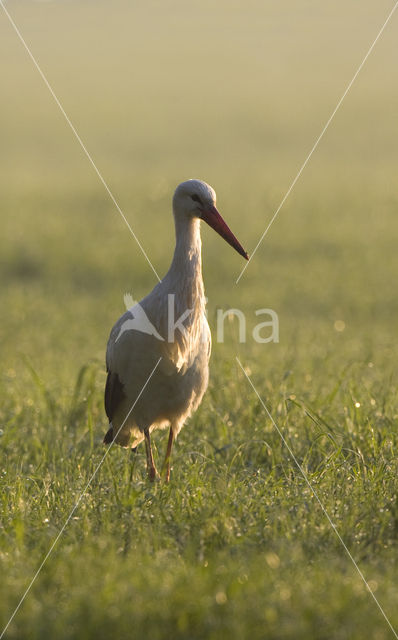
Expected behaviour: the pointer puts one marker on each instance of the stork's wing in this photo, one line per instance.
(114, 394)
(114, 389)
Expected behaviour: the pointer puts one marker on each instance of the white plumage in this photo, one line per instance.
(149, 334)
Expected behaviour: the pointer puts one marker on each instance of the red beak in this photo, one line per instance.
(214, 220)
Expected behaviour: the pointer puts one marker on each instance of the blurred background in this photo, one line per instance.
(230, 92)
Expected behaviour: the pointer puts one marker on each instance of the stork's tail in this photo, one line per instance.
(108, 438)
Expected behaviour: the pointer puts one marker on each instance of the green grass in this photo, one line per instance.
(236, 546)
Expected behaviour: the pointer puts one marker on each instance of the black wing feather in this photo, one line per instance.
(114, 394)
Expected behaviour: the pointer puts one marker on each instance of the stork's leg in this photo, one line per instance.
(150, 463)
(166, 464)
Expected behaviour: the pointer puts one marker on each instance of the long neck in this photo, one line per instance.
(185, 273)
(187, 259)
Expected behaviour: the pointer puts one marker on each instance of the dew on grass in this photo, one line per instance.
(221, 597)
(339, 325)
(273, 560)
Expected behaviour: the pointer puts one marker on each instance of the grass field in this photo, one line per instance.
(236, 546)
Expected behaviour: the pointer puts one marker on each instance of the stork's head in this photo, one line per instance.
(196, 199)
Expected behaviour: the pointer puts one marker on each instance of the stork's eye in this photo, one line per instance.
(196, 198)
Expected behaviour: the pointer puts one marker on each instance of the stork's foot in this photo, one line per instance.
(166, 464)
(153, 474)
(166, 471)
(167, 475)
(150, 464)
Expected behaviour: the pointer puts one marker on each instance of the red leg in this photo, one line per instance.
(150, 463)
(166, 464)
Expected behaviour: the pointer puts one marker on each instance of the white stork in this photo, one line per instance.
(177, 359)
